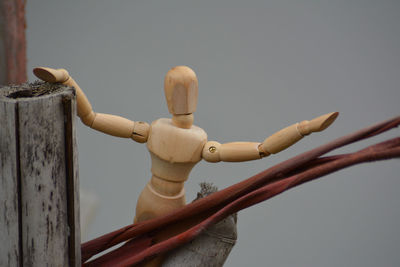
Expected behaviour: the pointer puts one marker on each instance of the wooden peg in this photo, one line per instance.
(183, 121)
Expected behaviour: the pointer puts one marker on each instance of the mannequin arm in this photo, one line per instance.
(244, 151)
(106, 123)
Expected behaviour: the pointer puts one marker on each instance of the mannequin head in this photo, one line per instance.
(181, 90)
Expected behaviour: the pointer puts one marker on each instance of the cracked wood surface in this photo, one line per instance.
(39, 181)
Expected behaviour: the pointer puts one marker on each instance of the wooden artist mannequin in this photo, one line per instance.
(175, 144)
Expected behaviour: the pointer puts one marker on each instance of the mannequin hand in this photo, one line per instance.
(318, 124)
(51, 75)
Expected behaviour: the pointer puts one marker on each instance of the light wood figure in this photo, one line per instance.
(175, 144)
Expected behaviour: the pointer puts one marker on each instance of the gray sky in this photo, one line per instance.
(261, 65)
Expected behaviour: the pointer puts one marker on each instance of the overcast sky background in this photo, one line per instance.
(261, 65)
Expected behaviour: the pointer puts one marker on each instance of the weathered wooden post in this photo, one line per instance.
(39, 189)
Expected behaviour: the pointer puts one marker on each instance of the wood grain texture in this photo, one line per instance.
(212, 247)
(43, 185)
(9, 202)
(48, 196)
(73, 190)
